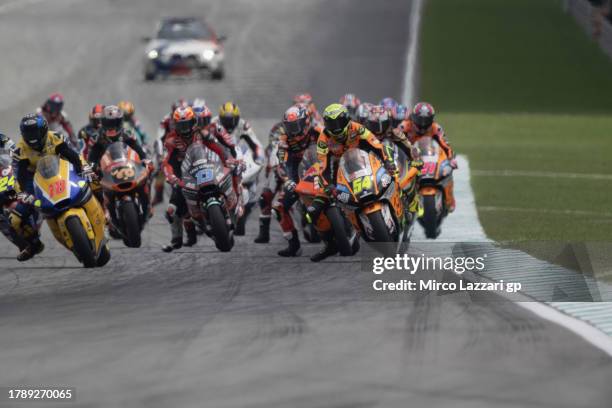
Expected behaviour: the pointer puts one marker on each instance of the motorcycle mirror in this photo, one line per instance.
(221, 38)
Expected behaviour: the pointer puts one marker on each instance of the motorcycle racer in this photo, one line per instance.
(421, 124)
(362, 112)
(299, 134)
(131, 123)
(57, 120)
(306, 99)
(37, 141)
(340, 134)
(239, 129)
(176, 143)
(273, 183)
(399, 114)
(19, 219)
(351, 102)
(88, 134)
(379, 123)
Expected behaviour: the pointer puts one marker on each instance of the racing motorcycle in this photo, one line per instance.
(249, 180)
(332, 218)
(124, 181)
(299, 214)
(73, 214)
(373, 198)
(208, 189)
(22, 235)
(436, 174)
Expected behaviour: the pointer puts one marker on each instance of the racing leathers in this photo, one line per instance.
(290, 153)
(26, 158)
(436, 132)
(244, 131)
(329, 151)
(61, 125)
(272, 183)
(87, 136)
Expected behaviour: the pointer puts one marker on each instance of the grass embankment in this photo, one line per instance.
(526, 94)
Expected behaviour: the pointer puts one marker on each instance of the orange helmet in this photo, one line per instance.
(128, 109)
(184, 121)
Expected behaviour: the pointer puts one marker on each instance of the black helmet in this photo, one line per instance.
(422, 117)
(112, 122)
(34, 130)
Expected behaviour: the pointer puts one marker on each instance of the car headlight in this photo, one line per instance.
(153, 54)
(208, 54)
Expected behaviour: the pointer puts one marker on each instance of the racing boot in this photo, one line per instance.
(329, 247)
(241, 223)
(264, 231)
(176, 227)
(294, 248)
(31, 250)
(192, 234)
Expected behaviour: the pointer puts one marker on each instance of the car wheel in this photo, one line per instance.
(218, 74)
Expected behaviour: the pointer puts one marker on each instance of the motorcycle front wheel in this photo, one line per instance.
(220, 230)
(131, 225)
(80, 242)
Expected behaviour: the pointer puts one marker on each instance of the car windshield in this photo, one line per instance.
(183, 30)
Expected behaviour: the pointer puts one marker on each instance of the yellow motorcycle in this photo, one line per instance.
(72, 212)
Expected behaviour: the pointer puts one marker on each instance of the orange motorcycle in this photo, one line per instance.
(373, 198)
(332, 217)
(124, 181)
(436, 177)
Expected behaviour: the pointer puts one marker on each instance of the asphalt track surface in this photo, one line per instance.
(198, 328)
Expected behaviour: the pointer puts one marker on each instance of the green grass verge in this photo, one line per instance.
(520, 87)
(510, 56)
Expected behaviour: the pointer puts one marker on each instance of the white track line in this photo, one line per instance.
(469, 227)
(543, 174)
(408, 89)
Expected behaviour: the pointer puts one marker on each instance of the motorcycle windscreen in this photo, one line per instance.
(201, 166)
(5, 160)
(308, 160)
(429, 149)
(355, 164)
(48, 166)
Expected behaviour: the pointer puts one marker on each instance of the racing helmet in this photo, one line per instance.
(229, 115)
(203, 115)
(184, 121)
(351, 102)
(378, 121)
(53, 106)
(362, 112)
(112, 122)
(34, 129)
(399, 114)
(95, 115)
(336, 119)
(422, 117)
(296, 121)
(388, 103)
(128, 109)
